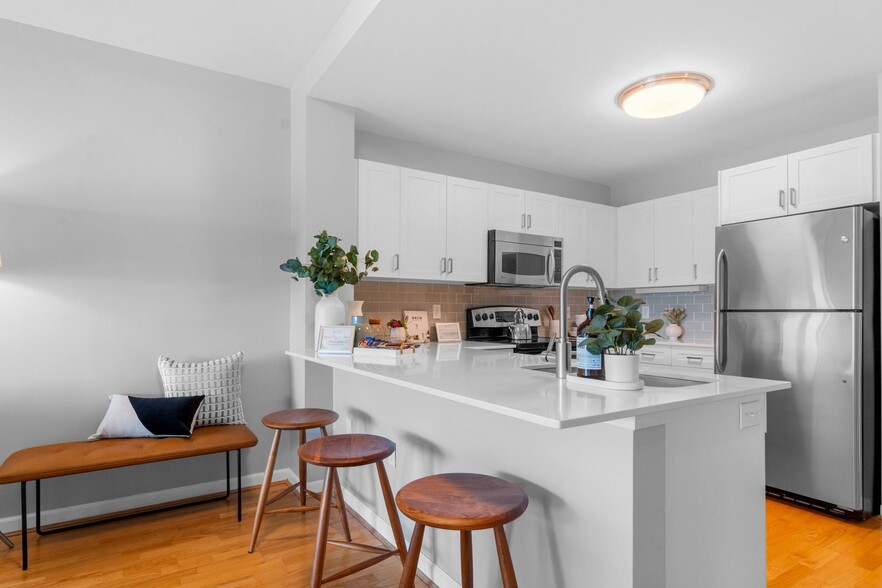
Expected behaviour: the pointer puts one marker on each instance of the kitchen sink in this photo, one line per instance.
(648, 379)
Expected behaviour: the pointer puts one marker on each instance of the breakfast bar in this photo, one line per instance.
(658, 487)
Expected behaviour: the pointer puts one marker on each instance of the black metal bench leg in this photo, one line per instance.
(5, 540)
(238, 482)
(38, 527)
(24, 526)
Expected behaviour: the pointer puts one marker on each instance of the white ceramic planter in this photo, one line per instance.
(330, 310)
(673, 332)
(397, 334)
(621, 368)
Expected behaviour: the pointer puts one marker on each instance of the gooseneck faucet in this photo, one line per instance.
(563, 345)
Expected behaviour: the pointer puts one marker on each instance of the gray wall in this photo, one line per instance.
(426, 158)
(144, 210)
(703, 174)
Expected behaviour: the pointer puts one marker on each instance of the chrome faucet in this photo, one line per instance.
(563, 345)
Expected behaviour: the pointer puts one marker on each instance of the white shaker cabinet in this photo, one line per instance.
(705, 215)
(635, 237)
(572, 224)
(423, 249)
(379, 204)
(673, 241)
(840, 174)
(520, 211)
(466, 230)
(601, 231)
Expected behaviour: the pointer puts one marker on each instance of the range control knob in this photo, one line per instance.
(477, 317)
(484, 316)
(491, 317)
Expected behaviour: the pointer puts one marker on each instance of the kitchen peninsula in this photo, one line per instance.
(659, 487)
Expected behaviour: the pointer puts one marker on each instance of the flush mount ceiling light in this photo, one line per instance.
(664, 95)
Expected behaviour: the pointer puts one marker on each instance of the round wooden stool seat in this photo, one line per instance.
(462, 502)
(300, 418)
(346, 451)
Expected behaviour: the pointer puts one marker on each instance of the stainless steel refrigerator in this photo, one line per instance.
(798, 300)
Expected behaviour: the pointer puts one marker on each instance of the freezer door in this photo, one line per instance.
(813, 436)
(801, 262)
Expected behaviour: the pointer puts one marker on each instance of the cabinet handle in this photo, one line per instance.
(792, 196)
(449, 265)
(693, 358)
(695, 271)
(648, 355)
(523, 221)
(395, 260)
(443, 265)
(529, 221)
(781, 202)
(649, 277)
(656, 274)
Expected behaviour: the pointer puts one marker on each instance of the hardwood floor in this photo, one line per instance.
(807, 550)
(204, 546)
(193, 547)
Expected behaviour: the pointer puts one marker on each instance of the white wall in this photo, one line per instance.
(423, 157)
(144, 210)
(702, 174)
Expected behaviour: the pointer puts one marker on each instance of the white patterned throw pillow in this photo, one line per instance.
(219, 380)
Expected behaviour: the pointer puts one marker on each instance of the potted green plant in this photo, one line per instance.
(331, 267)
(617, 331)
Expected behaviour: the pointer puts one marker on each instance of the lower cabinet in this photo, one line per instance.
(679, 355)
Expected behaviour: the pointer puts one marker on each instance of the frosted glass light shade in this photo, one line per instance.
(664, 95)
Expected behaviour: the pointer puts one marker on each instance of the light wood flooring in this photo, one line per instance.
(197, 546)
(204, 546)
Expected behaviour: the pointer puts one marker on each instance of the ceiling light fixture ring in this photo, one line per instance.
(695, 83)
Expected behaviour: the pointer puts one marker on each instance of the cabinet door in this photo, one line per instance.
(541, 212)
(601, 233)
(754, 191)
(506, 209)
(705, 214)
(635, 238)
(423, 234)
(379, 193)
(572, 217)
(466, 230)
(831, 176)
(673, 241)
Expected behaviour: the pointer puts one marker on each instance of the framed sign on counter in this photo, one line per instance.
(417, 322)
(448, 332)
(336, 340)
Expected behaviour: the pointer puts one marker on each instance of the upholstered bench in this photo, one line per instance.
(78, 457)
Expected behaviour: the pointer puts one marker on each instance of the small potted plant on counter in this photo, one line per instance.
(618, 331)
(675, 316)
(330, 268)
(397, 331)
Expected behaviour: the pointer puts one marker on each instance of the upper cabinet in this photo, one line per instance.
(588, 231)
(841, 174)
(426, 226)
(667, 242)
(521, 211)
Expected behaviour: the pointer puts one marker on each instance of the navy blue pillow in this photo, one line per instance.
(132, 416)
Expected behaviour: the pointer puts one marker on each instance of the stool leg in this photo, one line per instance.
(264, 490)
(302, 468)
(341, 506)
(394, 521)
(413, 557)
(321, 538)
(505, 563)
(465, 558)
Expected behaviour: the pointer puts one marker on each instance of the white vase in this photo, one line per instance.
(330, 310)
(397, 334)
(673, 332)
(621, 368)
(353, 308)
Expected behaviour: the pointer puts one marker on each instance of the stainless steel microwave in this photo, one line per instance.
(521, 259)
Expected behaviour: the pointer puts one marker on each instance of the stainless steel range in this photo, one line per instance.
(490, 324)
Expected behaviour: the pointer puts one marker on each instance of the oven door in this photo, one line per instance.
(524, 265)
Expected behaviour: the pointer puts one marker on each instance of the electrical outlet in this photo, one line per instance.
(436, 311)
(751, 414)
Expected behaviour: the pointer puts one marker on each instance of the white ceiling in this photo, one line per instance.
(526, 82)
(265, 40)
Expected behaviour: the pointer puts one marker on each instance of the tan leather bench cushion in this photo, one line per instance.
(77, 457)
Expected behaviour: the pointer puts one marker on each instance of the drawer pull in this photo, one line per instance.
(649, 355)
(693, 358)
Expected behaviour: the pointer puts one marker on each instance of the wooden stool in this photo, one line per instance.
(347, 451)
(464, 503)
(296, 419)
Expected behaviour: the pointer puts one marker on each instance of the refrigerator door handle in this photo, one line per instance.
(720, 355)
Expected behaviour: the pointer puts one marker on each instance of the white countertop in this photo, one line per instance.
(490, 378)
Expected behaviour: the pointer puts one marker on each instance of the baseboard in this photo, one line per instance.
(104, 507)
(426, 566)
